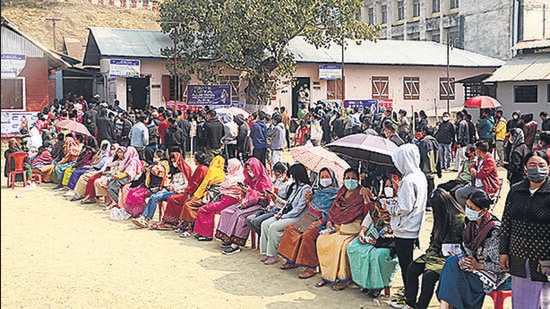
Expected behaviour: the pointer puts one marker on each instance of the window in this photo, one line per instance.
(416, 8)
(13, 93)
(435, 6)
(380, 87)
(453, 4)
(370, 16)
(358, 15)
(411, 88)
(446, 88)
(435, 37)
(384, 13)
(400, 10)
(525, 94)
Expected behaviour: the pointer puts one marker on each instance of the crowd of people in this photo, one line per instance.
(361, 229)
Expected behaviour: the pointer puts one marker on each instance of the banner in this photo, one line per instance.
(362, 104)
(330, 71)
(12, 122)
(387, 104)
(124, 68)
(209, 95)
(12, 65)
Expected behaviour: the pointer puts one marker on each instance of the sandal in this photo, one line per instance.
(308, 273)
(160, 227)
(185, 235)
(320, 283)
(287, 265)
(339, 286)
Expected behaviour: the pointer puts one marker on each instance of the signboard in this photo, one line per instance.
(362, 104)
(176, 105)
(209, 95)
(330, 71)
(12, 122)
(12, 65)
(387, 104)
(124, 68)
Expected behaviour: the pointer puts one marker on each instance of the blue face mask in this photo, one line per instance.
(351, 184)
(472, 214)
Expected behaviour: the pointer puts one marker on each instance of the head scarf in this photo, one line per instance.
(261, 180)
(131, 164)
(474, 237)
(346, 209)
(323, 198)
(214, 175)
(102, 152)
(71, 147)
(14, 144)
(183, 167)
(519, 137)
(234, 176)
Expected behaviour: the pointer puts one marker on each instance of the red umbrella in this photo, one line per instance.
(482, 102)
(73, 126)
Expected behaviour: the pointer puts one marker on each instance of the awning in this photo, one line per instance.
(529, 67)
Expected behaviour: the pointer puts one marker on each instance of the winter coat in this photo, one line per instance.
(446, 133)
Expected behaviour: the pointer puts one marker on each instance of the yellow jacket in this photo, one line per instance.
(500, 130)
(215, 175)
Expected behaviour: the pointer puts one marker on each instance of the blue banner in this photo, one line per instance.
(209, 95)
(362, 104)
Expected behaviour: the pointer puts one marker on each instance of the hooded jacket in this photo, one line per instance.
(408, 212)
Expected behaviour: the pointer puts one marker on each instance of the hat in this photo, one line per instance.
(97, 96)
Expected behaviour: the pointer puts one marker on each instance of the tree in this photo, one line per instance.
(252, 36)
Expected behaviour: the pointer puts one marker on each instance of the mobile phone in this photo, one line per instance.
(240, 184)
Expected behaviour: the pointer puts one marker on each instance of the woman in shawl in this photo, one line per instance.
(181, 173)
(343, 224)
(71, 148)
(176, 201)
(230, 195)
(517, 154)
(297, 245)
(208, 190)
(150, 182)
(372, 259)
(465, 282)
(97, 185)
(131, 168)
(108, 160)
(232, 229)
(99, 159)
(83, 162)
(43, 158)
(13, 146)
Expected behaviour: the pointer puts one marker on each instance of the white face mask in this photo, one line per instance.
(174, 164)
(472, 214)
(325, 182)
(445, 118)
(388, 191)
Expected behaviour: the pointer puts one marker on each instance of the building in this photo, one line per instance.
(489, 28)
(523, 83)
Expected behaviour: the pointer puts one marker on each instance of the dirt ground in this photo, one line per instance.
(59, 254)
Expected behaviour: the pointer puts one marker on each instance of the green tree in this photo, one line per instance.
(252, 36)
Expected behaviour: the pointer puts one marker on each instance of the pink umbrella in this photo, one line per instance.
(315, 158)
(73, 126)
(482, 102)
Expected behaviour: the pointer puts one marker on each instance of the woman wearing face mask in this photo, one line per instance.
(372, 257)
(297, 245)
(181, 173)
(465, 281)
(518, 151)
(525, 238)
(343, 224)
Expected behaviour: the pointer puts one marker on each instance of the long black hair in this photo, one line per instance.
(445, 208)
(299, 172)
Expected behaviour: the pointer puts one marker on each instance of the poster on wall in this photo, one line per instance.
(12, 65)
(209, 95)
(124, 68)
(387, 104)
(362, 104)
(12, 122)
(330, 72)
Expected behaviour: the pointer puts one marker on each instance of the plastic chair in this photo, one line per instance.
(499, 296)
(19, 159)
(37, 178)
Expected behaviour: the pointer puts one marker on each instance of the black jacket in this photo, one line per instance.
(105, 130)
(446, 133)
(515, 163)
(213, 131)
(173, 137)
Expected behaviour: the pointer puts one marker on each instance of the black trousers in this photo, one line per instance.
(429, 279)
(287, 135)
(431, 187)
(404, 249)
(260, 154)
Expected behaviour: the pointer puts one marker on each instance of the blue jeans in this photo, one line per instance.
(154, 199)
(445, 155)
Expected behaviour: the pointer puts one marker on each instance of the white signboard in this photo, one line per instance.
(124, 68)
(12, 65)
(330, 72)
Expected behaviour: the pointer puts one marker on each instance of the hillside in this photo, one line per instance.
(75, 18)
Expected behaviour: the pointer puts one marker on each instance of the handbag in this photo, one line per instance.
(544, 267)
(382, 242)
(305, 221)
(351, 228)
(212, 193)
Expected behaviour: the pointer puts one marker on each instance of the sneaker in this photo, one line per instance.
(141, 222)
(231, 250)
(399, 303)
(225, 245)
(69, 193)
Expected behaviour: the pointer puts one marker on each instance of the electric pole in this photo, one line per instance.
(53, 20)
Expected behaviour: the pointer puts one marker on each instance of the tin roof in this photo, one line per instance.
(528, 67)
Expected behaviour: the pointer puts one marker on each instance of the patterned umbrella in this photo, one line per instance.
(482, 102)
(317, 157)
(370, 148)
(73, 126)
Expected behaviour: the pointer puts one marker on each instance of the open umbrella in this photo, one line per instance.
(364, 147)
(317, 157)
(73, 126)
(482, 102)
(239, 111)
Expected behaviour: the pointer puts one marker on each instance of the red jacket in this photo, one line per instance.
(488, 174)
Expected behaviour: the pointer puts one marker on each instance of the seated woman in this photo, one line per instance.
(176, 201)
(99, 160)
(255, 220)
(72, 149)
(343, 224)
(230, 194)
(13, 146)
(151, 181)
(372, 259)
(232, 229)
(297, 245)
(208, 191)
(447, 229)
(130, 169)
(42, 158)
(464, 282)
(82, 163)
(181, 172)
(86, 183)
(272, 228)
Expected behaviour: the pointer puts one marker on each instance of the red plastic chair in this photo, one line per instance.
(499, 296)
(18, 159)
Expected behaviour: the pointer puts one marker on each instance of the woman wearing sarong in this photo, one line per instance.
(230, 194)
(297, 245)
(464, 282)
(43, 158)
(343, 224)
(84, 160)
(152, 180)
(176, 201)
(72, 149)
(181, 172)
(99, 160)
(208, 190)
(131, 168)
(232, 228)
(86, 183)
(372, 259)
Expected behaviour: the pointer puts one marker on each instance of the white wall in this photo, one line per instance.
(505, 95)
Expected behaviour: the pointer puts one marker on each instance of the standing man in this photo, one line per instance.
(213, 133)
(105, 127)
(124, 139)
(485, 128)
(500, 136)
(404, 125)
(529, 127)
(286, 122)
(276, 132)
(258, 134)
(139, 136)
(445, 137)
(545, 125)
(429, 158)
(174, 141)
(462, 139)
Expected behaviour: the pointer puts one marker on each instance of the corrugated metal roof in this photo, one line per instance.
(130, 42)
(529, 67)
(532, 44)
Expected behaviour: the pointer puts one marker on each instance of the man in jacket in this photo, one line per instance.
(429, 158)
(258, 134)
(243, 138)
(445, 137)
(500, 136)
(276, 132)
(389, 132)
(174, 141)
(105, 127)
(213, 133)
(529, 127)
(485, 128)
(462, 139)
